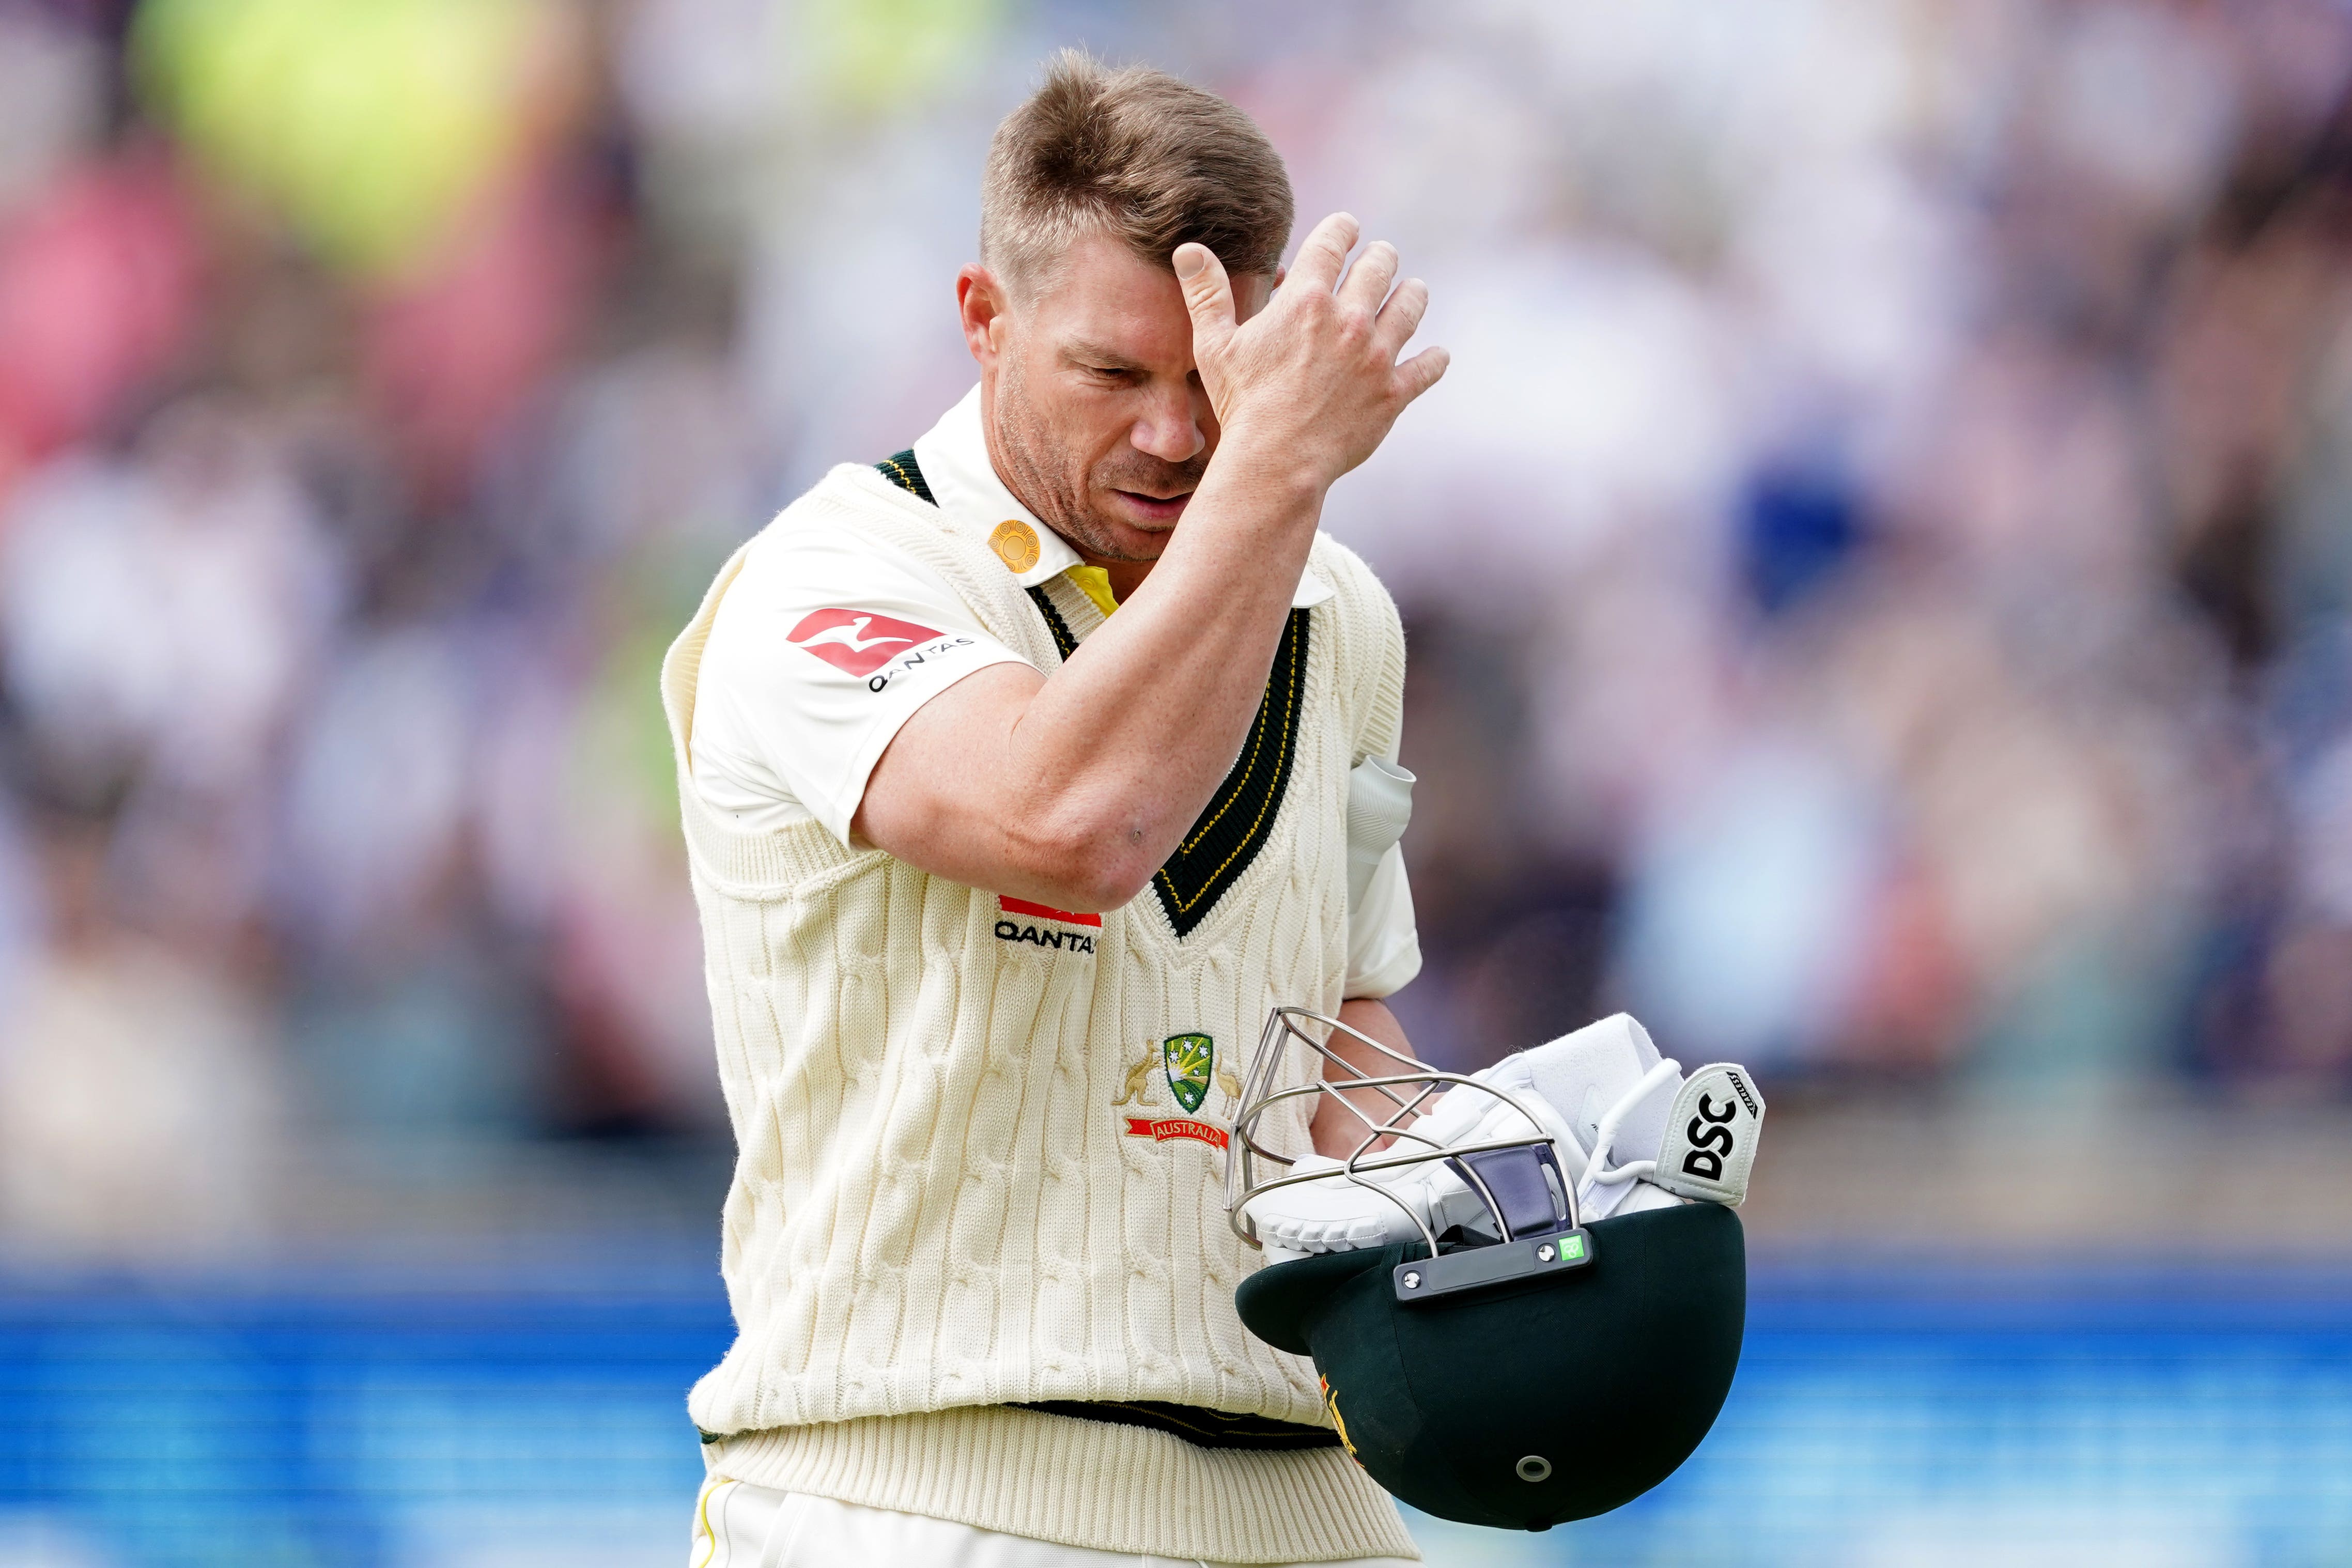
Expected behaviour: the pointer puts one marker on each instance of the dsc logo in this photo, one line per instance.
(1711, 1132)
(1710, 1139)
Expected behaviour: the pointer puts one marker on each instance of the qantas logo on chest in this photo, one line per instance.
(859, 641)
(1014, 929)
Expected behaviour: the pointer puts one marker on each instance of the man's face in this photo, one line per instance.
(1096, 416)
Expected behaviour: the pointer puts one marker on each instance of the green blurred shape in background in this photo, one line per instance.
(368, 125)
(878, 57)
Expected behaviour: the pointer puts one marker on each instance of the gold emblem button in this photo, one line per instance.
(1015, 544)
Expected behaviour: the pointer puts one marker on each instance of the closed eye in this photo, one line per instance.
(1101, 362)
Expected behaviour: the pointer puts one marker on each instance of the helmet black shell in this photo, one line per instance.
(1528, 1404)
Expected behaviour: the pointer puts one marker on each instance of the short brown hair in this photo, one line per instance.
(1134, 154)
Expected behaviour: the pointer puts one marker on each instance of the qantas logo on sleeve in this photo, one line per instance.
(857, 641)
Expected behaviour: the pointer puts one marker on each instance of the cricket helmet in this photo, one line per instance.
(1490, 1357)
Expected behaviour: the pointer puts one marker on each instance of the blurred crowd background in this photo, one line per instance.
(1879, 578)
(1878, 572)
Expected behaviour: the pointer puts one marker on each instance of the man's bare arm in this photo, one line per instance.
(1073, 789)
(1334, 1131)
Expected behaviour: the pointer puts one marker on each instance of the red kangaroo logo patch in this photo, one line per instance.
(857, 641)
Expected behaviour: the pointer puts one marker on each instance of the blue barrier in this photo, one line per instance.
(1884, 1414)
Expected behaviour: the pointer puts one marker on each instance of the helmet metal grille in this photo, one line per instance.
(1380, 1108)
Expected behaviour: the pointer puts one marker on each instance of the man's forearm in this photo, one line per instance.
(1334, 1130)
(1139, 728)
(1073, 789)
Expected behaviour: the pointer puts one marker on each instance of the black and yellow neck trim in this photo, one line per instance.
(904, 472)
(1064, 642)
(1240, 817)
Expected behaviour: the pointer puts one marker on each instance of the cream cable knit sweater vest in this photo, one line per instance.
(963, 1176)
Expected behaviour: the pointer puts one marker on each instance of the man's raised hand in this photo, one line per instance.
(1312, 382)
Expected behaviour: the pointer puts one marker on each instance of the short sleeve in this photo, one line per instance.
(1383, 942)
(825, 643)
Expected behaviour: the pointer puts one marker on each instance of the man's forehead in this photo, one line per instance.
(1097, 276)
(1101, 300)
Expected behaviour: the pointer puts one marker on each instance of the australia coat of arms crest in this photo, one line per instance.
(1188, 1064)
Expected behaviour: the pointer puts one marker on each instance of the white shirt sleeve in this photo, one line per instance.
(824, 644)
(1383, 942)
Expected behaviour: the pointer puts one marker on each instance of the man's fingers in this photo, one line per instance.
(1419, 373)
(1399, 319)
(1369, 279)
(1325, 253)
(1208, 294)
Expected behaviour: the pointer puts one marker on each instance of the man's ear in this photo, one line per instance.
(982, 302)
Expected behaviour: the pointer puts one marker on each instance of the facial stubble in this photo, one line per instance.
(1043, 473)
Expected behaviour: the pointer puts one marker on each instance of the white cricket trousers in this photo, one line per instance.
(738, 1525)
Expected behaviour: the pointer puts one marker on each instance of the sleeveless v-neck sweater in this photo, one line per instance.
(979, 1145)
